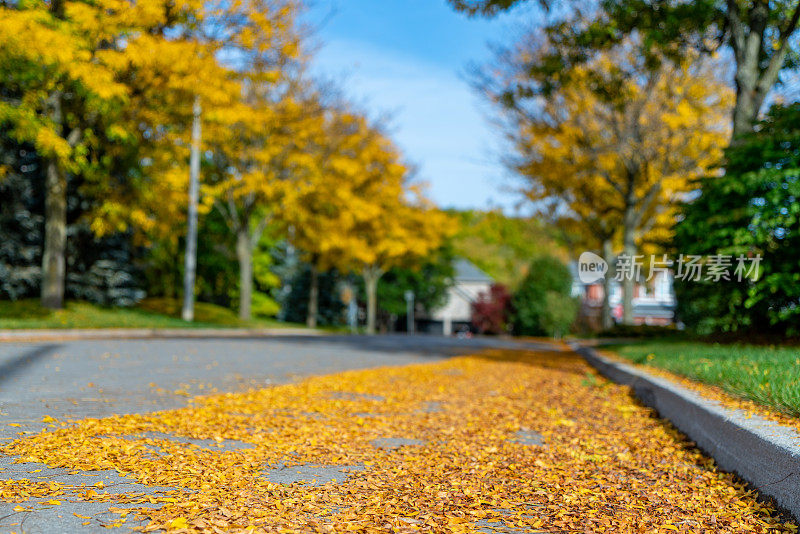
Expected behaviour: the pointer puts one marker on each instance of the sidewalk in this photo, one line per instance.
(67, 334)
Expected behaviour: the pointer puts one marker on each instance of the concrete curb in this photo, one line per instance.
(762, 452)
(7, 336)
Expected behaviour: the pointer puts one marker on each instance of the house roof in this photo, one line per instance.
(465, 271)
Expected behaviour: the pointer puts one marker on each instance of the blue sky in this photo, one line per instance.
(408, 58)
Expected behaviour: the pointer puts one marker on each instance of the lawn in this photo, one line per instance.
(151, 313)
(766, 375)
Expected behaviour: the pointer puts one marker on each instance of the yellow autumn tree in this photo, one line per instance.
(260, 153)
(233, 59)
(615, 145)
(404, 229)
(318, 212)
(164, 76)
(58, 83)
(355, 210)
(89, 85)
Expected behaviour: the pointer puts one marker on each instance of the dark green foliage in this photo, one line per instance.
(429, 282)
(101, 271)
(753, 209)
(217, 269)
(762, 37)
(294, 302)
(665, 26)
(533, 313)
(21, 220)
(663, 29)
(98, 270)
(561, 310)
(489, 7)
(643, 331)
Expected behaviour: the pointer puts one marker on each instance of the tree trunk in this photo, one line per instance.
(606, 318)
(244, 254)
(371, 277)
(746, 107)
(313, 298)
(629, 281)
(55, 235)
(190, 260)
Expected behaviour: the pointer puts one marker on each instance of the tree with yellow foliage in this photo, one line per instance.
(402, 232)
(259, 155)
(355, 210)
(80, 81)
(58, 84)
(315, 208)
(614, 145)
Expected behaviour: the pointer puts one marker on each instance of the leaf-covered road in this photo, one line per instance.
(498, 440)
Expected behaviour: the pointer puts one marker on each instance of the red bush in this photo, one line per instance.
(491, 310)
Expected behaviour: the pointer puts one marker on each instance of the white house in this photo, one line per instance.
(456, 313)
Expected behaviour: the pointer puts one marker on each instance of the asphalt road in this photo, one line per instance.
(96, 378)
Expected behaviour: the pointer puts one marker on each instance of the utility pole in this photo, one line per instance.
(409, 311)
(190, 260)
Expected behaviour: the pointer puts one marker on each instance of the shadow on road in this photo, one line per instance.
(16, 364)
(428, 345)
(552, 358)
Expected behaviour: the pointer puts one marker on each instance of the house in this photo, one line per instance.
(455, 315)
(653, 301)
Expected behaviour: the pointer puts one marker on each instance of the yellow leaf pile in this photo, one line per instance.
(604, 463)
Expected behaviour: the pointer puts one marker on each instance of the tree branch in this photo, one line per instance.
(74, 137)
(229, 214)
(737, 29)
(770, 74)
(258, 231)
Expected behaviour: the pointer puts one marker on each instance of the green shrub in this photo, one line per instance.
(534, 313)
(560, 313)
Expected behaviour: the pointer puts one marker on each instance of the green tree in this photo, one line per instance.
(330, 308)
(21, 219)
(429, 282)
(753, 210)
(266, 281)
(534, 313)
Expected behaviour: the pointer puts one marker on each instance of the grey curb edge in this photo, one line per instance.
(762, 452)
(149, 333)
